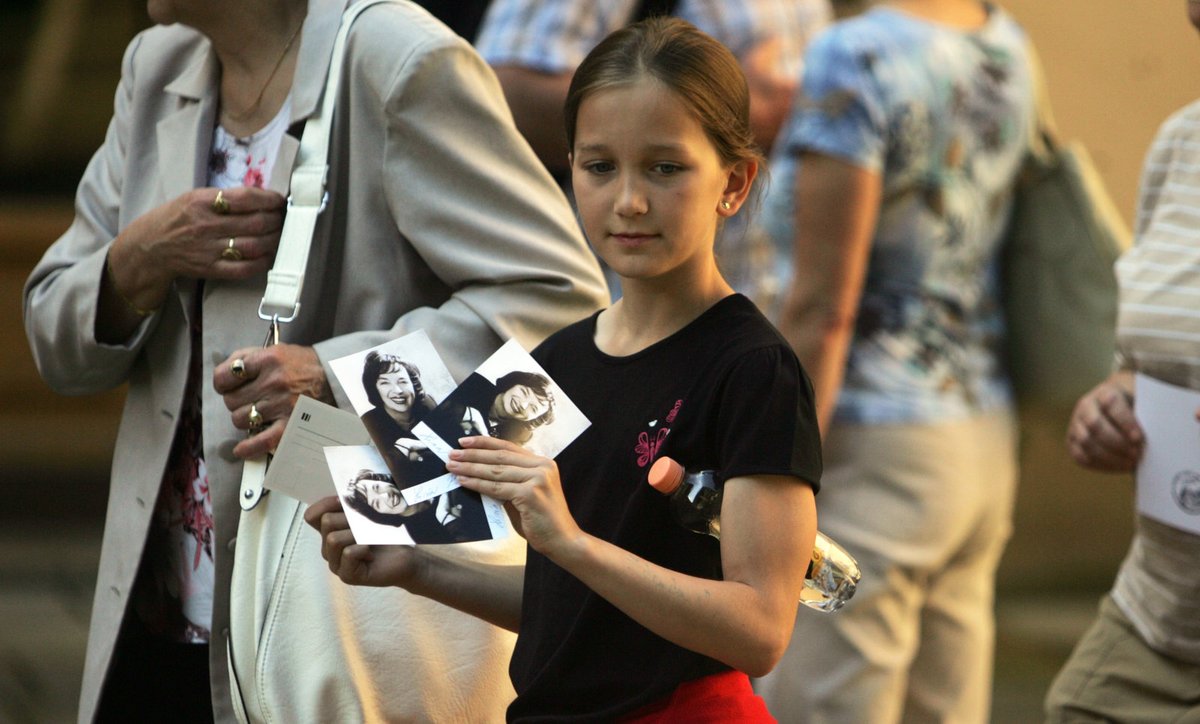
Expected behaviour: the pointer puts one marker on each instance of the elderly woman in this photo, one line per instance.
(439, 218)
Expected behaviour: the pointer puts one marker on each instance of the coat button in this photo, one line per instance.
(231, 544)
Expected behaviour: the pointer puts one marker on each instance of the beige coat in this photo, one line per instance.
(440, 218)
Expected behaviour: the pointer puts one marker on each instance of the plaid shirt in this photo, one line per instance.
(554, 35)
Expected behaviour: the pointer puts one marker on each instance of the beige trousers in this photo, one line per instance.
(1113, 676)
(926, 510)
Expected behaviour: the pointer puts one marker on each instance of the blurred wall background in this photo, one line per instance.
(1115, 69)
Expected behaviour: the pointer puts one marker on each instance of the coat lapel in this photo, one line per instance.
(184, 138)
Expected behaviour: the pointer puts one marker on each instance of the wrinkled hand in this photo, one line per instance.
(359, 565)
(186, 237)
(528, 485)
(274, 377)
(1103, 433)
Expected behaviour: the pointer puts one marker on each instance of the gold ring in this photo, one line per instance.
(256, 418)
(238, 368)
(219, 204)
(231, 252)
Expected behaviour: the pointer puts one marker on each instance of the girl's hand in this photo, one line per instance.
(1103, 433)
(526, 483)
(359, 565)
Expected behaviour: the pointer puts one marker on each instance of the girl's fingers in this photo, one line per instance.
(499, 490)
(484, 442)
(315, 513)
(493, 451)
(497, 471)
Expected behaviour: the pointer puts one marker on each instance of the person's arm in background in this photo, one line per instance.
(837, 204)
(536, 99)
(535, 48)
(771, 89)
(1103, 433)
(769, 39)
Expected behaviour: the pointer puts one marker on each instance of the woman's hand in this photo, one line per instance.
(355, 564)
(267, 381)
(1103, 433)
(526, 483)
(190, 235)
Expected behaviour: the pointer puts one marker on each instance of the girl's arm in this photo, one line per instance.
(768, 524)
(837, 205)
(490, 592)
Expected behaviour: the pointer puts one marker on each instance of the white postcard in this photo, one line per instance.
(1168, 477)
(298, 467)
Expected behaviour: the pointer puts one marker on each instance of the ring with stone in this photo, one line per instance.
(231, 252)
(238, 368)
(219, 204)
(256, 418)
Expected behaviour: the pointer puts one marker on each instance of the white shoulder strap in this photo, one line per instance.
(281, 300)
(308, 197)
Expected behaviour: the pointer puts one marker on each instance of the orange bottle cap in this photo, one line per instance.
(665, 475)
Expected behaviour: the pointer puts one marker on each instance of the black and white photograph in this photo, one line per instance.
(393, 387)
(511, 397)
(379, 515)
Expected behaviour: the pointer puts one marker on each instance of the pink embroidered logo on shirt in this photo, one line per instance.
(649, 443)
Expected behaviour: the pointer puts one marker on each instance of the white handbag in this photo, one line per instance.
(303, 646)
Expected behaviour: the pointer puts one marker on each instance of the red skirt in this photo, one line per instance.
(715, 699)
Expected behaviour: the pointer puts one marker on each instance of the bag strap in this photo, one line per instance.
(308, 196)
(1043, 131)
(306, 200)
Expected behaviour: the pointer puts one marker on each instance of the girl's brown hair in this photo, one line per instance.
(701, 71)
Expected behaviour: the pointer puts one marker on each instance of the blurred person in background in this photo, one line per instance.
(1140, 660)
(891, 191)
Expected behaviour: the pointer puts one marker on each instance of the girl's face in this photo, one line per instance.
(396, 390)
(649, 183)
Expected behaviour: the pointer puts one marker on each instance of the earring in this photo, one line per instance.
(725, 205)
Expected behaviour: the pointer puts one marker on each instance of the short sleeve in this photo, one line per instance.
(841, 110)
(741, 26)
(551, 36)
(766, 418)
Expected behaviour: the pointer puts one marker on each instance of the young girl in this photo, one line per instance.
(621, 614)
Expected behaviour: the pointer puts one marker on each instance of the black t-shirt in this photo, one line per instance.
(725, 393)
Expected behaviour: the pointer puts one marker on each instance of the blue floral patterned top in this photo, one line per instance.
(943, 114)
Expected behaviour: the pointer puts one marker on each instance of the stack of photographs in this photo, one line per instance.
(397, 490)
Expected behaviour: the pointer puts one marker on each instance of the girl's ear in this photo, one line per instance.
(737, 187)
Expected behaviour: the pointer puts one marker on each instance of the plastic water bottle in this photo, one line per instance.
(832, 574)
